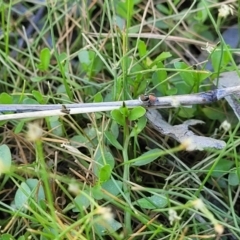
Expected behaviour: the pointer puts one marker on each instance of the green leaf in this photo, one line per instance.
(141, 124)
(160, 58)
(84, 57)
(98, 97)
(186, 112)
(5, 98)
(202, 14)
(90, 62)
(113, 187)
(214, 113)
(136, 113)
(220, 59)
(159, 79)
(19, 126)
(147, 157)
(6, 236)
(37, 79)
(125, 9)
(81, 201)
(21, 197)
(153, 202)
(112, 139)
(56, 126)
(38, 96)
(163, 9)
(142, 48)
(45, 56)
(62, 57)
(222, 167)
(171, 91)
(105, 173)
(102, 159)
(187, 76)
(234, 177)
(36, 188)
(29, 101)
(118, 117)
(5, 159)
(106, 226)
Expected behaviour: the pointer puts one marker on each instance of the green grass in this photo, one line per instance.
(110, 175)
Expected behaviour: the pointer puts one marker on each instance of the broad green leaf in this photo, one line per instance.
(98, 97)
(5, 159)
(112, 139)
(56, 126)
(36, 188)
(141, 124)
(5, 98)
(163, 9)
(44, 59)
(62, 57)
(187, 76)
(153, 202)
(90, 62)
(171, 91)
(29, 101)
(159, 79)
(84, 57)
(202, 14)
(118, 117)
(119, 22)
(113, 187)
(22, 195)
(37, 79)
(186, 112)
(220, 59)
(105, 173)
(234, 177)
(106, 226)
(147, 157)
(142, 48)
(124, 110)
(163, 56)
(6, 236)
(223, 166)
(136, 113)
(82, 201)
(115, 129)
(214, 113)
(125, 9)
(102, 159)
(38, 96)
(19, 126)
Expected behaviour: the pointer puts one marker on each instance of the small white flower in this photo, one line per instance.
(188, 144)
(225, 126)
(208, 48)
(173, 216)
(198, 204)
(34, 132)
(106, 213)
(74, 188)
(225, 10)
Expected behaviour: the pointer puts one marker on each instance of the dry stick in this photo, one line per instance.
(40, 111)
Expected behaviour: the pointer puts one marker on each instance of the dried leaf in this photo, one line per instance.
(231, 79)
(181, 133)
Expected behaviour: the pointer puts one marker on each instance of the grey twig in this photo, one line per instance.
(149, 101)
